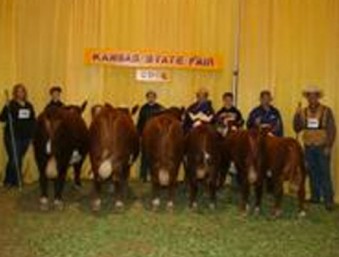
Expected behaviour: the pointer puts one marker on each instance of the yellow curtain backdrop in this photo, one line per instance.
(285, 45)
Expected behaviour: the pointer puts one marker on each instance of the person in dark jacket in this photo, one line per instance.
(20, 112)
(55, 93)
(228, 114)
(147, 111)
(266, 115)
(200, 110)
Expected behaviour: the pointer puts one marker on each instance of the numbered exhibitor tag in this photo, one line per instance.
(24, 114)
(312, 123)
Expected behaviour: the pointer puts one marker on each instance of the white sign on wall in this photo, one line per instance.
(152, 75)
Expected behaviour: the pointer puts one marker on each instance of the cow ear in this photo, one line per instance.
(182, 109)
(135, 109)
(83, 106)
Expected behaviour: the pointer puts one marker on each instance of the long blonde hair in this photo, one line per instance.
(15, 90)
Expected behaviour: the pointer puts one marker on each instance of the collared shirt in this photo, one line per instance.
(270, 116)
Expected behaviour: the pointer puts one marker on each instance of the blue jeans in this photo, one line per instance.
(11, 175)
(318, 164)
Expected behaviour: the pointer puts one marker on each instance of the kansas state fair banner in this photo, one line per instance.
(152, 59)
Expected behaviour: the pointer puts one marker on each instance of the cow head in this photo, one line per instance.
(79, 109)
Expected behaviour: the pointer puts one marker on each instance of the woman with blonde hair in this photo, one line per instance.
(19, 118)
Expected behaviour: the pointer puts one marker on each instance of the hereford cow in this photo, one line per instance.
(114, 146)
(202, 161)
(163, 145)
(283, 159)
(61, 140)
(242, 147)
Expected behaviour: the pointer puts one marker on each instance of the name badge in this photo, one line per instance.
(24, 114)
(312, 123)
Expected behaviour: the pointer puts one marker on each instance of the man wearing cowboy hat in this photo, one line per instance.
(317, 124)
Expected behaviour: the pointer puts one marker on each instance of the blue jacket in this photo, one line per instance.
(271, 117)
(204, 107)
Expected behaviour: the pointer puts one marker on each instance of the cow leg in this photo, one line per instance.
(213, 192)
(96, 205)
(258, 197)
(77, 174)
(278, 195)
(245, 192)
(59, 187)
(301, 198)
(171, 196)
(44, 188)
(244, 201)
(155, 195)
(118, 194)
(193, 185)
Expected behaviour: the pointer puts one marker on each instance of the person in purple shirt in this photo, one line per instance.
(266, 115)
(202, 105)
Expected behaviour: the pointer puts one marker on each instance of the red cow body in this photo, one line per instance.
(61, 140)
(202, 161)
(163, 145)
(114, 146)
(242, 147)
(284, 158)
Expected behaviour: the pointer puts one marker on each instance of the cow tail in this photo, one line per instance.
(164, 173)
(164, 177)
(297, 174)
(51, 168)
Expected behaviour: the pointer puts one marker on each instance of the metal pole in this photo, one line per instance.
(235, 79)
(13, 141)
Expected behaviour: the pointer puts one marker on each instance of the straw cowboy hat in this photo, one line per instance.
(313, 90)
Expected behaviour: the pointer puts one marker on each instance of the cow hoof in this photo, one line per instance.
(119, 205)
(110, 189)
(212, 206)
(96, 205)
(44, 204)
(277, 214)
(302, 214)
(58, 205)
(243, 214)
(170, 206)
(77, 186)
(257, 211)
(155, 204)
(194, 206)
